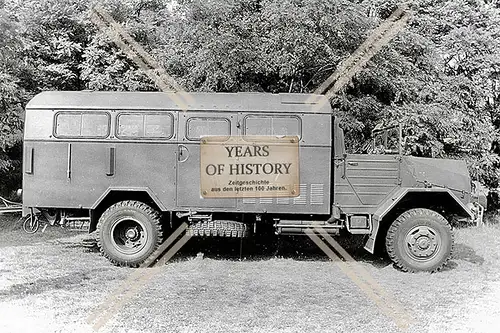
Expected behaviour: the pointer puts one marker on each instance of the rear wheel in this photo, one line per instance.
(419, 240)
(128, 232)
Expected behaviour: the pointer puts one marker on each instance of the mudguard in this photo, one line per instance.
(396, 197)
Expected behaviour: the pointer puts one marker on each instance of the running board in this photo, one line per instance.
(294, 227)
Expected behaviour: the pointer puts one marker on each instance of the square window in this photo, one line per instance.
(201, 126)
(145, 126)
(82, 124)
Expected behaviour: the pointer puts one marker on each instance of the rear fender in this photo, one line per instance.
(115, 194)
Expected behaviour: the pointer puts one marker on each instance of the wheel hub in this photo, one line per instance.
(131, 233)
(128, 235)
(422, 242)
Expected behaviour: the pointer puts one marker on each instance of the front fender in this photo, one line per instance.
(397, 197)
(385, 208)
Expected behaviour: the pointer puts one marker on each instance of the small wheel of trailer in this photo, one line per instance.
(128, 232)
(419, 240)
(31, 225)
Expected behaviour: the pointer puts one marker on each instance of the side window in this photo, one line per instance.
(82, 124)
(145, 126)
(95, 125)
(203, 126)
(272, 125)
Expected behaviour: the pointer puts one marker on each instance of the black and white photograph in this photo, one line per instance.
(257, 166)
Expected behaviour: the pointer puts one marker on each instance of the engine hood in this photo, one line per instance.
(433, 172)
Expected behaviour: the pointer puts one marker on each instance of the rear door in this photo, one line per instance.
(193, 126)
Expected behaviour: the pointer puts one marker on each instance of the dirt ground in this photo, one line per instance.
(50, 283)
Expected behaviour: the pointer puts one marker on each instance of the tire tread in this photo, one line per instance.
(218, 228)
(153, 215)
(391, 237)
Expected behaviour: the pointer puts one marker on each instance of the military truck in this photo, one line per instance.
(135, 165)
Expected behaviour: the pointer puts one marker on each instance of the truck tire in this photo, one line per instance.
(128, 232)
(419, 240)
(218, 228)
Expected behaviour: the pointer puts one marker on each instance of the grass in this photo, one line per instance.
(50, 284)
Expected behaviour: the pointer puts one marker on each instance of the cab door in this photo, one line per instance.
(363, 181)
(193, 126)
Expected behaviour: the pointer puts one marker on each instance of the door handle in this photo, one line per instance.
(182, 154)
(353, 163)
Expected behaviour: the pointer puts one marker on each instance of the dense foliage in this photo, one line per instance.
(440, 76)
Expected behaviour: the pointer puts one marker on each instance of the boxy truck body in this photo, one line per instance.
(81, 146)
(90, 155)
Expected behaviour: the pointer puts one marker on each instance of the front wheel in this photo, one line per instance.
(128, 232)
(419, 240)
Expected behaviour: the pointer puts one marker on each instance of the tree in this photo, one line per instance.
(440, 77)
(40, 49)
(11, 102)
